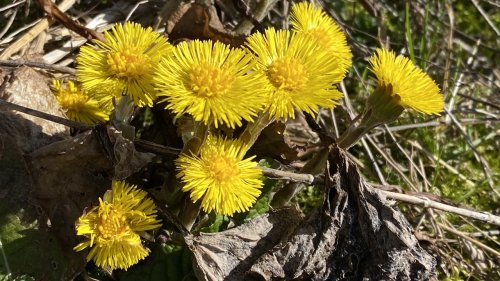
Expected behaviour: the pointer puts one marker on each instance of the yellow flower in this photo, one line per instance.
(220, 176)
(77, 104)
(409, 86)
(114, 227)
(211, 82)
(306, 18)
(123, 64)
(299, 73)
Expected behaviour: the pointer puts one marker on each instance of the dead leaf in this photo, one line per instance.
(355, 235)
(127, 159)
(196, 21)
(27, 87)
(28, 244)
(229, 254)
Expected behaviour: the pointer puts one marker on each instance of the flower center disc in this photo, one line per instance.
(223, 169)
(112, 223)
(287, 73)
(128, 63)
(209, 81)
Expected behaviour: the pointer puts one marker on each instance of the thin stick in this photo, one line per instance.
(5, 8)
(54, 67)
(482, 216)
(33, 32)
(43, 115)
(470, 239)
(291, 176)
(308, 179)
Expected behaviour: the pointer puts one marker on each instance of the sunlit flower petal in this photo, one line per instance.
(77, 104)
(123, 64)
(211, 82)
(310, 20)
(411, 87)
(300, 74)
(114, 227)
(224, 181)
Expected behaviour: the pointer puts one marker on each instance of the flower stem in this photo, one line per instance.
(190, 210)
(253, 130)
(122, 114)
(313, 166)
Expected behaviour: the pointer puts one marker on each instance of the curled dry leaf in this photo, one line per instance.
(354, 235)
(229, 254)
(127, 159)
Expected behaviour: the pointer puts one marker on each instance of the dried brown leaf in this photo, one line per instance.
(355, 235)
(196, 21)
(229, 254)
(26, 87)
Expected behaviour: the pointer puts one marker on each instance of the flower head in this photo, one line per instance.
(113, 228)
(211, 82)
(312, 21)
(299, 73)
(77, 104)
(409, 86)
(122, 64)
(220, 177)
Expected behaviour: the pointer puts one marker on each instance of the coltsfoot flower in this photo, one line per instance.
(77, 104)
(407, 84)
(123, 64)
(300, 74)
(113, 228)
(211, 82)
(220, 177)
(312, 21)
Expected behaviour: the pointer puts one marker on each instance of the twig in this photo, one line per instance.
(485, 16)
(392, 163)
(9, 23)
(33, 32)
(451, 102)
(421, 173)
(54, 67)
(157, 148)
(46, 116)
(485, 233)
(441, 162)
(291, 176)
(486, 102)
(468, 140)
(470, 121)
(10, 6)
(470, 239)
(132, 11)
(482, 216)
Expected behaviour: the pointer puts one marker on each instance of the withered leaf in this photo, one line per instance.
(26, 87)
(229, 254)
(196, 21)
(354, 235)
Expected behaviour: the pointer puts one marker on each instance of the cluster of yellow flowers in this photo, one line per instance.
(274, 74)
